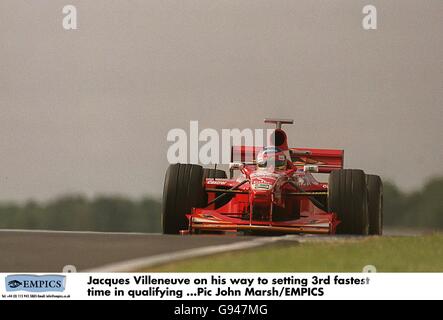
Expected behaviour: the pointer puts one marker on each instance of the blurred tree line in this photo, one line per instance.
(419, 209)
(76, 212)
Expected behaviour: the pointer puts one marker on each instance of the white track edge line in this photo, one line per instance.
(145, 262)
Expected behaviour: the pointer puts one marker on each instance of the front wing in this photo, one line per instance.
(211, 220)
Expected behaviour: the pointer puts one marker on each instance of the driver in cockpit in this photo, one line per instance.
(272, 157)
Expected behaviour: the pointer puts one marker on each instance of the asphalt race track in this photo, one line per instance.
(51, 251)
(47, 251)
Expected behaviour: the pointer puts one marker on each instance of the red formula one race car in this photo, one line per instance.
(275, 192)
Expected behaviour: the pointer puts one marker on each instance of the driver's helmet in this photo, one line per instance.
(272, 157)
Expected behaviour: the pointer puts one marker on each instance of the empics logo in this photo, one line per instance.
(14, 284)
(34, 283)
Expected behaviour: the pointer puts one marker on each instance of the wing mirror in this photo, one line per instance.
(310, 168)
(236, 166)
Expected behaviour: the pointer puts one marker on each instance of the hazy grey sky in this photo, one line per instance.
(88, 110)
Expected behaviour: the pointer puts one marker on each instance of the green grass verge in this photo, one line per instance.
(387, 254)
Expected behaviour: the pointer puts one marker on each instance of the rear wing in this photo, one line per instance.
(326, 160)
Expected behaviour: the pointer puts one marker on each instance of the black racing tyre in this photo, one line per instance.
(375, 204)
(348, 198)
(214, 173)
(183, 190)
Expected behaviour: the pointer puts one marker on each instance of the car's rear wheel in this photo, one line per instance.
(183, 190)
(375, 204)
(348, 198)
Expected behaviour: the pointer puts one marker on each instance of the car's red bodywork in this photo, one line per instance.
(289, 201)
